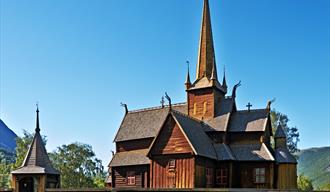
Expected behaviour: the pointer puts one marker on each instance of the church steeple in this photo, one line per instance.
(224, 82)
(206, 55)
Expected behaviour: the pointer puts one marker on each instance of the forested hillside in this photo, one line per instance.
(315, 164)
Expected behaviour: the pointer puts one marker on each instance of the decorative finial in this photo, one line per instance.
(125, 106)
(234, 89)
(269, 103)
(162, 102)
(37, 122)
(224, 82)
(249, 105)
(169, 100)
(188, 83)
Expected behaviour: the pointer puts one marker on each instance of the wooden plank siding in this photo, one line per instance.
(196, 98)
(119, 176)
(133, 144)
(171, 140)
(286, 176)
(200, 172)
(182, 176)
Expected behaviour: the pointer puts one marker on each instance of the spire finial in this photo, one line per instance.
(37, 123)
(206, 55)
(224, 82)
(188, 83)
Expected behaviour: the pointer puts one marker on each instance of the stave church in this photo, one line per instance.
(205, 142)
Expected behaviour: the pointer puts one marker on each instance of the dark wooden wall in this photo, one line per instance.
(243, 175)
(182, 176)
(133, 144)
(201, 164)
(142, 176)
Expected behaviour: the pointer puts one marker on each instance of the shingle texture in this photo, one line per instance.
(282, 155)
(193, 129)
(144, 123)
(223, 152)
(249, 121)
(36, 160)
(135, 157)
(280, 132)
(251, 152)
(221, 121)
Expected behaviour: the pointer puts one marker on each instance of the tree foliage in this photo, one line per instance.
(78, 166)
(304, 183)
(6, 160)
(291, 132)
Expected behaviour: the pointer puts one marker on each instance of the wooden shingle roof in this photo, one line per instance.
(194, 131)
(251, 152)
(221, 121)
(36, 160)
(144, 123)
(127, 158)
(249, 121)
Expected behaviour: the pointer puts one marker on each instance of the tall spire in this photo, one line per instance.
(206, 55)
(224, 82)
(37, 123)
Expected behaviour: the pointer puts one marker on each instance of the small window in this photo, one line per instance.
(130, 178)
(259, 175)
(195, 108)
(209, 176)
(205, 108)
(222, 177)
(171, 164)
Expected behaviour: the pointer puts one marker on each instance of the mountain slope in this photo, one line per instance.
(315, 164)
(7, 138)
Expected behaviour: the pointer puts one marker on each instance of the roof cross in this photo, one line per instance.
(249, 105)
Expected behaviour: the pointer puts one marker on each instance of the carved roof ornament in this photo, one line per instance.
(125, 106)
(169, 100)
(234, 89)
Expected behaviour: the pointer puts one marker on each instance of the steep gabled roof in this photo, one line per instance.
(223, 152)
(282, 155)
(195, 134)
(251, 152)
(221, 121)
(249, 121)
(280, 133)
(127, 158)
(36, 160)
(145, 123)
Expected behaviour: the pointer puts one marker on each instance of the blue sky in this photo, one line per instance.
(79, 59)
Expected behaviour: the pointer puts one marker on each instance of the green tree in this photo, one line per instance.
(5, 168)
(291, 132)
(304, 183)
(78, 166)
(22, 146)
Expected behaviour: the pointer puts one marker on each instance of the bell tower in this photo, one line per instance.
(205, 94)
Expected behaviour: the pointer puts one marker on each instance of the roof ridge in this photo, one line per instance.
(190, 117)
(251, 110)
(156, 107)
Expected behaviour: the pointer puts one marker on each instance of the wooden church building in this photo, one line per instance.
(36, 172)
(205, 142)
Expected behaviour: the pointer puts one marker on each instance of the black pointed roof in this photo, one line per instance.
(36, 160)
(280, 132)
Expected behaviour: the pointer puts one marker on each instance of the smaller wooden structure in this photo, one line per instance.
(36, 173)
